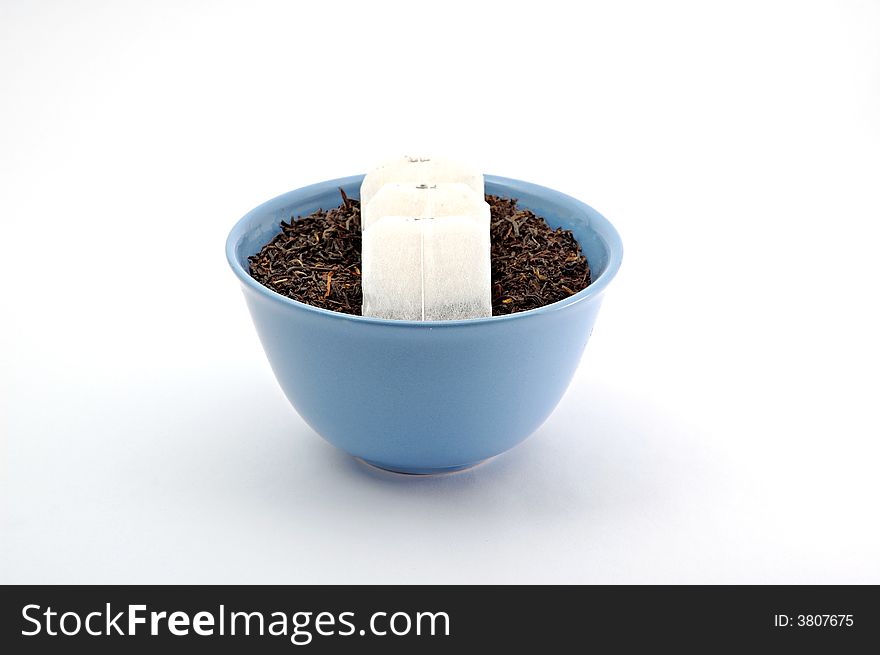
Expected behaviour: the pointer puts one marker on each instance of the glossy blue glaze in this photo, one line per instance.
(425, 397)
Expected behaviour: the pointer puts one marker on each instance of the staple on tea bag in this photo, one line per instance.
(419, 170)
(425, 201)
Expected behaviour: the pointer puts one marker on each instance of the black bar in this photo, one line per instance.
(549, 618)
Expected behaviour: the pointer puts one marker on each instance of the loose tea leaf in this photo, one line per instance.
(532, 264)
(316, 259)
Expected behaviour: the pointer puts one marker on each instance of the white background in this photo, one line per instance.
(723, 425)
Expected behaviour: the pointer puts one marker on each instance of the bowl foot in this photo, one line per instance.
(419, 471)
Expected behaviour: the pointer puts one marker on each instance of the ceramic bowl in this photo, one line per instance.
(425, 397)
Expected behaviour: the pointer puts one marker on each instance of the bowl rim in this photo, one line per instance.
(607, 234)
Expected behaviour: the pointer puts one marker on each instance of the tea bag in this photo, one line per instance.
(457, 268)
(426, 269)
(425, 251)
(391, 269)
(425, 201)
(420, 170)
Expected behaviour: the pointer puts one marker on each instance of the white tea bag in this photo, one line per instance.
(425, 201)
(391, 269)
(428, 269)
(420, 170)
(457, 268)
(425, 250)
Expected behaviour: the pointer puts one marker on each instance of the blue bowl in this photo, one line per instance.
(425, 397)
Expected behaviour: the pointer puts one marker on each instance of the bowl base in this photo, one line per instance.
(419, 471)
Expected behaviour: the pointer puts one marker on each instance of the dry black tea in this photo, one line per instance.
(316, 259)
(532, 264)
